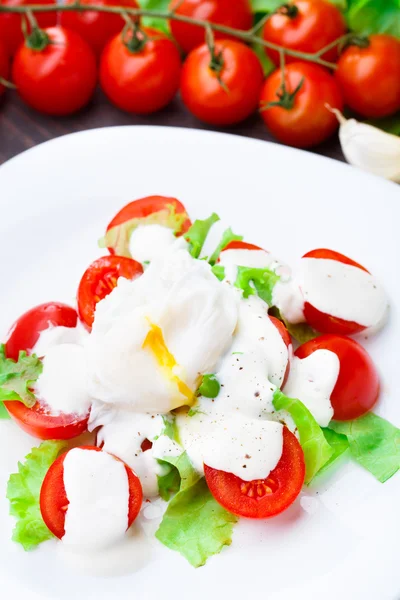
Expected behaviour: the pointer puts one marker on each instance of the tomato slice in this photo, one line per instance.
(324, 322)
(54, 501)
(357, 387)
(239, 245)
(285, 335)
(140, 209)
(26, 330)
(261, 498)
(99, 279)
(23, 336)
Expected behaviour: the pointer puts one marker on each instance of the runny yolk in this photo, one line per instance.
(156, 343)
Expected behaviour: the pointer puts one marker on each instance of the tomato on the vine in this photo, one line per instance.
(369, 76)
(223, 87)
(305, 26)
(10, 23)
(96, 27)
(55, 71)
(99, 279)
(140, 72)
(299, 116)
(54, 501)
(357, 386)
(231, 13)
(4, 66)
(262, 498)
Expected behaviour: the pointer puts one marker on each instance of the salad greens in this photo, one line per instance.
(317, 451)
(209, 387)
(179, 476)
(197, 233)
(339, 444)
(374, 443)
(227, 237)
(118, 237)
(195, 525)
(23, 492)
(263, 281)
(17, 377)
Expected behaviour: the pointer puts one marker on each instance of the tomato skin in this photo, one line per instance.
(317, 24)
(141, 82)
(10, 24)
(99, 279)
(96, 27)
(26, 330)
(357, 387)
(370, 77)
(23, 336)
(324, 322)
(308, 122)
(241, 74)
(288, 477)
(239, 245)
(287, 340)
(4, 67)
(60, 79)
(54, 501)
(236, 14)
(139, 209)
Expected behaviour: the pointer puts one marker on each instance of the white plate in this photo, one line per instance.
(340, 540)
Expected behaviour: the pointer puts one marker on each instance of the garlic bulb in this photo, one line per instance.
(369, 148)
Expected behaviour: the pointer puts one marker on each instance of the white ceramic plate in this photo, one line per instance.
(340, 540)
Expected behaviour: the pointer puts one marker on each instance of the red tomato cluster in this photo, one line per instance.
(140, 69)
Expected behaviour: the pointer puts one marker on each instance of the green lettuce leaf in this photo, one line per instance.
(209, 387)
(168, 483)
(388, 124)
(118, 237)
(219, 271)
(301, 332)
(17, 377)
(227, 237)
(317, 451)
(197, 233)
(365, 17)
(158, 5)
(23, 492)
(3, 412)
(374, 444)
(339, 444)
(260, 281)
(195, 525)
(266, 6)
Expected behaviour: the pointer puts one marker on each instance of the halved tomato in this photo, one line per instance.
(262, 498)
(99, 279)
(54, 501)
(324, 322)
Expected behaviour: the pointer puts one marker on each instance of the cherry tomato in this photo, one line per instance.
(261, 498)
(4, 67)
(357, 386)
(10, 23)
(96, 27)
(239, 245)
(23, 336)
(99, 279)
(140, 209)
(369, 77)
(54, 501)
(141, 80)
(225, 97)
(26, 330)
(60, 79)
(322, 321)
(302, 121)
(305, 26)
(236, 14)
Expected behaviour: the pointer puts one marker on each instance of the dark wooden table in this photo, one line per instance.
(22, 128)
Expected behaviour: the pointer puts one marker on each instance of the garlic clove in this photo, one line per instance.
(369, 148)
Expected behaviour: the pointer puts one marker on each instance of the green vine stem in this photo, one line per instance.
(246, 36)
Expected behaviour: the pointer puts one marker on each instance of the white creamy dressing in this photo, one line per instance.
(312, 380)
(148, 242)
(97, 489)
(55, 335)
(196, 314)
(286, 294)
(62, 384)
(343, 291)
(122, 433)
